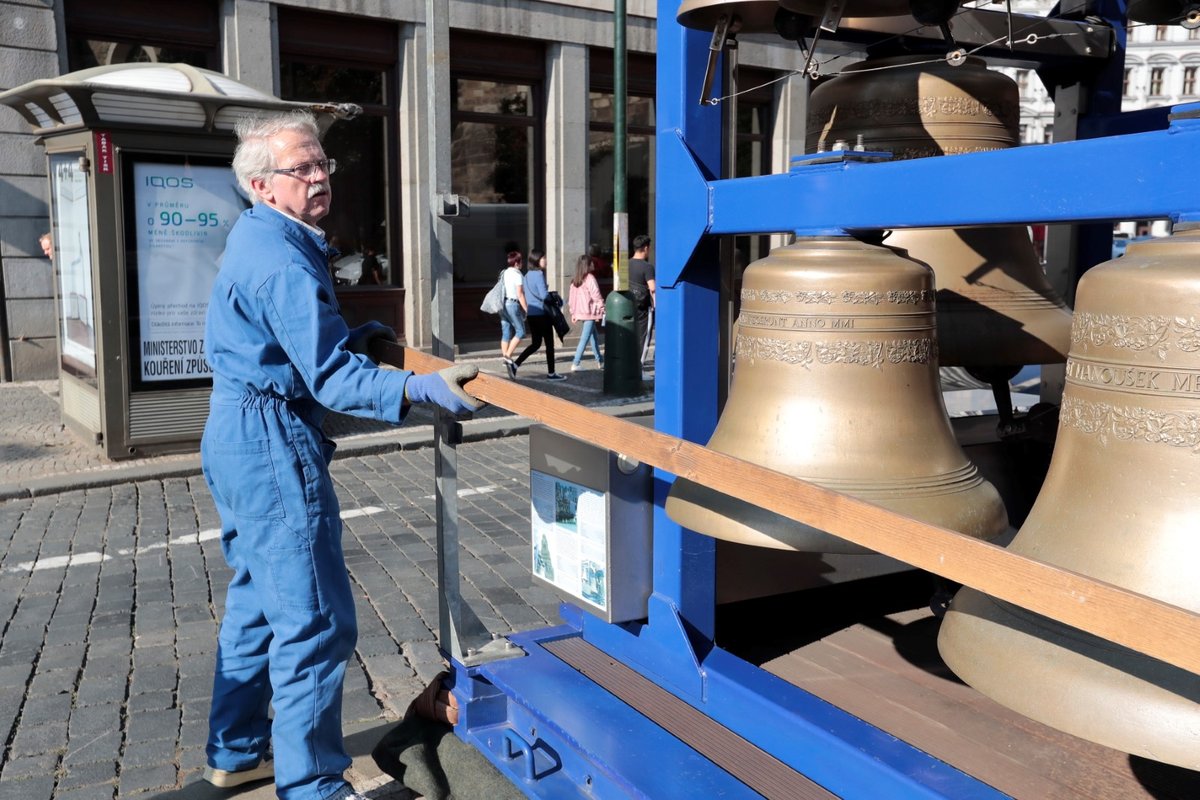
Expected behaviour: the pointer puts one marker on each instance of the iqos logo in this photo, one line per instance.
(169, 182)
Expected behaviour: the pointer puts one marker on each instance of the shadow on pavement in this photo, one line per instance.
(367, 778)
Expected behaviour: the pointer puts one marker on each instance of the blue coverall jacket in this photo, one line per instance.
(278, 349)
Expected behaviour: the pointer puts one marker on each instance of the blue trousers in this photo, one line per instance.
(289, 624)
(590, 333)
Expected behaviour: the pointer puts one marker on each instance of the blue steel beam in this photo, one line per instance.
(1137, 176)
(557, 734)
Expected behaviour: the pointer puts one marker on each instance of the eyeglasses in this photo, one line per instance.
(305, 171)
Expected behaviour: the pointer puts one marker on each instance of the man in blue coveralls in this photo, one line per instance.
(281, 357)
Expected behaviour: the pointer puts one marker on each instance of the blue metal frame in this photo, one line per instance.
(556, 733)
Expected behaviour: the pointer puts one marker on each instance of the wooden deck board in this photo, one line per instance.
(877, 659)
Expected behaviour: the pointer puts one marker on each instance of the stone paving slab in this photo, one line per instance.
(112, 586)
(111, 596)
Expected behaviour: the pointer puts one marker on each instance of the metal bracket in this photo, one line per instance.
(452, 205)
(839, 155)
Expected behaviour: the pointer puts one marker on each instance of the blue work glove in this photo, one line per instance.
(444, 388)
(362, 336)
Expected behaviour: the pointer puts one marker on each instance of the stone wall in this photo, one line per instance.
(29, 38)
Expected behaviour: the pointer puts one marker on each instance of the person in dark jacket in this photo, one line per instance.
(538, 320)
(643, 288)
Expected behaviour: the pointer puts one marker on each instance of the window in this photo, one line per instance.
(1022, 80)
(496, 155)
(1189, 80)
(1156, 80)
(103, 32)
(334, 58)
(1160, 33)
(1048, 134)
(1194, 33)
(1126, 82)
(1023, 136)
(639, 151)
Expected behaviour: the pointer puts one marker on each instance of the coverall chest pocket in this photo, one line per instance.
(244, 473)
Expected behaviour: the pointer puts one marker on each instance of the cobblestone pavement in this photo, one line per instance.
(112, 586)
(111, 596)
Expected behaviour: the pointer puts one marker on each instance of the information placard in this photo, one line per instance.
(182, 215)
(570, 543)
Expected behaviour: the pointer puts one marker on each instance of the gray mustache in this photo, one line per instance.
(316, 189)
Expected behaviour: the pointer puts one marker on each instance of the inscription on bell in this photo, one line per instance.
(917, 108)
(1119, 377)
(794, 322)
(826, 297)
(867, 353)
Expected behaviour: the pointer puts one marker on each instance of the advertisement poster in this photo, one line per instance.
(73, 258)
(568, 537)
(183, 214)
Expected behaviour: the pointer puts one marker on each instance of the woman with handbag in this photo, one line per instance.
(587, 306)
(540, 326)
(512, 315)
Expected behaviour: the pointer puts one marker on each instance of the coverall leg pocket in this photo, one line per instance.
(294, 575)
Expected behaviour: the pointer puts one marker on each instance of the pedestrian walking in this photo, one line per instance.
(587, 308)
(281, 357)
(540, 326)
(642, 286)
(512, 315)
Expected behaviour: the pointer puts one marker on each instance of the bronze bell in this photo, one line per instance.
(994, 304)
(836, 382)
(751, 16)
(1120, 504)
(758, 16)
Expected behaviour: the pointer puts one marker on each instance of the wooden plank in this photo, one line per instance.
(1102, 771)
(871, 642)
(985, 730)
(1150, 626)
(887, 671)
(877, 698)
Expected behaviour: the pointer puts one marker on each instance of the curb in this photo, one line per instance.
(414, 438)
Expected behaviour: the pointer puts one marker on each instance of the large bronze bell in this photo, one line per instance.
(836, 382)
(994, 305)
(750, 16)
(1121, 504)
(758, 16)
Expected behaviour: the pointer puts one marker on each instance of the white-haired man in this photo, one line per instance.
(281, 357)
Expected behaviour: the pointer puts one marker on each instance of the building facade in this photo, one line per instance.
(1162, 68)
(531, 105)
